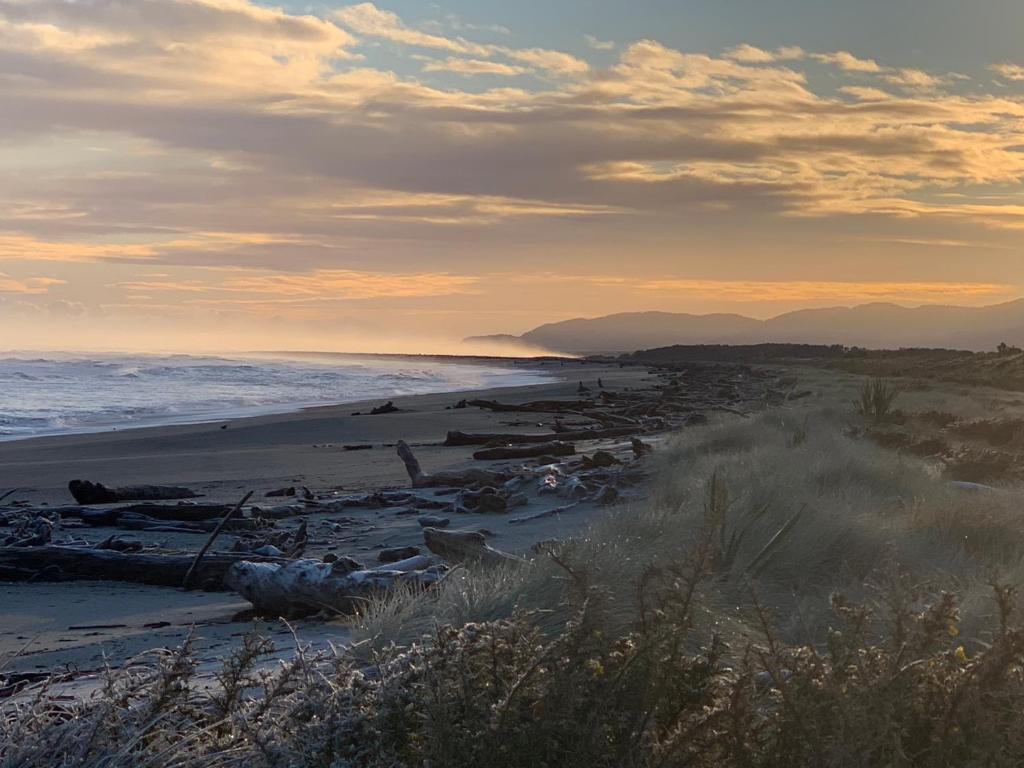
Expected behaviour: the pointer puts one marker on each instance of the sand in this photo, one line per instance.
(84, 625)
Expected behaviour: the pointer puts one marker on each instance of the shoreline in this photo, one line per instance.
(545, 371)
(41, 624)
(280, 446)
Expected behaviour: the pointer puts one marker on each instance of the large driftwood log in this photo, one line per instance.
(177, 513)
(456, 438)
(86, 492)
(556, 448)
(446, 478)
(56, 563)
(537, 406)
(129, 521)
(466, 547)
(307, 586)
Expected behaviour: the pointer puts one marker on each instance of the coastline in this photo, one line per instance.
(42, 624)
(518, 372)
(304, 445)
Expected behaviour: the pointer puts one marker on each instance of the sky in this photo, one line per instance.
(222, 174)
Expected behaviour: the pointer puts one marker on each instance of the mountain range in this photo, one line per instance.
(877, 326)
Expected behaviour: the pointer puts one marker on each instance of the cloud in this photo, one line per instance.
(915, 80)
(474, 67)
(598, 44)
(317, 286)
(369, 20)
(1009, 71)
(16, 247)
(847, 62)
(164, 50)
(792, 292)
(864, 93)
(30, 285)
(803, 291)
(552, 61)
(749, 54)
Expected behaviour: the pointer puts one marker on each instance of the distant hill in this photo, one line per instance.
(880, 326)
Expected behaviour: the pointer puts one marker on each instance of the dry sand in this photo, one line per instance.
(84, 625)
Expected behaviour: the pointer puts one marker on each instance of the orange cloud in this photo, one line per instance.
(786, 291)
(319, 285)
(809, 291)
(847, 62)
(29, 285)
(474, 67)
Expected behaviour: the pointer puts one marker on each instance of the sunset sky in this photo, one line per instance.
(196, 174)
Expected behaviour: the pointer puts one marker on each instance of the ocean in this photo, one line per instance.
(54, 393)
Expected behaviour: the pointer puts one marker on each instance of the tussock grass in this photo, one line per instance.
(876, 399)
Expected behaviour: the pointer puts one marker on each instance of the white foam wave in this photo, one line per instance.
(76, 393)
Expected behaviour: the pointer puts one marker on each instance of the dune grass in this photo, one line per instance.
(790, 594)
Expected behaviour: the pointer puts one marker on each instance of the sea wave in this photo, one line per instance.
(60, 393)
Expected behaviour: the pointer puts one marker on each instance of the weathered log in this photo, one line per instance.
(541, 515)
(611, 418)
(537, 406)
(131, 521)
(62, 563)
(307, 586)
(556, 448)
(86, 492)
(142, 515)
(456, 438)
(466, 547)
(450, 478)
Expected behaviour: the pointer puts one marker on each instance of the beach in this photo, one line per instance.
(83, 625)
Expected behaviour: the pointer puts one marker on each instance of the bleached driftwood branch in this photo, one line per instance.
(307, 586)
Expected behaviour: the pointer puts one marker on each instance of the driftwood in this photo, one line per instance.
(556, 448)
(456, 438)
(56, 563)
(32, 531)
(541, 515)
(466, 547)
(537, 406)
(138, 516)
(86, 492)
(448, 478)
(213, 536)
(307, 586)
(131, 521)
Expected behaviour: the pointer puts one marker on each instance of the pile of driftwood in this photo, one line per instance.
(594, 451)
